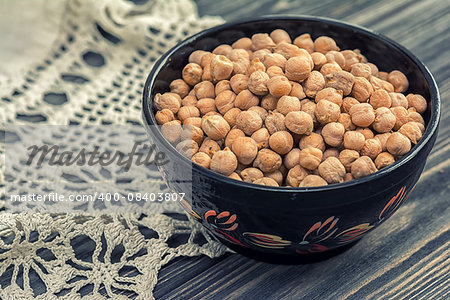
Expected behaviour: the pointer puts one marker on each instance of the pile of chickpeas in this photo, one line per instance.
(270, 111)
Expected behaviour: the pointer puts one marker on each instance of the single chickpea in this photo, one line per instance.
(239, 83)
(232, 136)
(242, 43)
(304, 41)
(361, 70)
(215, 127)
(222, 50)
(209, 146)
(241, 66)
(333, 134)
(235, 176)
(346, 121)
(256, 65)
(262, 41)
(362, 89)
(204, 89)
(225, 101)
(297, 90)
(418, 102)
(313, 180)
(281, 142)
(207, 75)
(362, 114)
(398, 99)
(224, 162)
(371, 148)
(248, 121)
(354, 140)
(330, 152)
(178, 86)
(192, 132)
(202, 159)
(260, 54)
(261, 137)
(401, 115)
(378, 83)
(330, 68)
(221, 68)
(275, 122)
(251, 174)
(310, 158)
(194, 121)
(279, 86)
(382, 138)
(398, 80)
(296, 175)
(314, 140)
(172, 130)
(319, 60)
(348, 177)
(267, 160)
(351, 58)
(380, 98)
(196, 56)
(298, 68)
(276, 175)
(323, 44)
(289, 50)
(412, 131)
(363, 166)
(245, 99)
(384, 120)
(187, 148)
(335, 57)
(245, 149)
(221, 86)
(368, 134)
(170, 101)
(314, 83)
(341, 80)
(239, 55)
(309, 107)
(416, 117)
(269, 102)
(231, 115)
(266, 181)
(332, 170)
(398, 144)
(260, 111)
(206, 105)
(299, 122)
(186, 112)
(331, 95)
(257, 83)
(287, 104)
(327, 112)
(347, 103)
(383, 160)
(274, 59)
(189, 100)
(274, 71)
(347, 157)
(192, 74)
(373, 69)
(292, 158)
(163, 116)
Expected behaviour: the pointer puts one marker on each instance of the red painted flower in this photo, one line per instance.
(394, 203)
(266, 240)
(353, 233)
(319, 232)
(223, 224)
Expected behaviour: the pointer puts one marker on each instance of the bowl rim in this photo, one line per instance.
(433, 123)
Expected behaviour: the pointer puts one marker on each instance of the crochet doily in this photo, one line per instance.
(93, 75)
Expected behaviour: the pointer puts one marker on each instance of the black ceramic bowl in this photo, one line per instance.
(263, 220)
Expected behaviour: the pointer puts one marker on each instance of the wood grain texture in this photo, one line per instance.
(407, 257)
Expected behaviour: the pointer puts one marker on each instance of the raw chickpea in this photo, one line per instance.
(206, 105)
(347, 157)
(260, 54)
(296, 175)
(224, 162)
(196, 56)
(251, 174)
(222, 50)
(332, 170)
(274, 71)
(335, 57)
(348, 177)
(189, 100)
(178, 86)
(274, 59)
(412, 131)
(299, 122)
(382, 138)
(261, 137)
(341, 80)
(401, 115)
(192, 73)
(361, 70)
(378, 83)
(416, 117)
(221, 68)
(191, 132)
(209, 146)
(172, 130)
(256, 65)
(398, 99)
(163, 116)
(241, 66)
(362, 114)
(245, 99)
(235, 176)
(297, 90)
(288, 50)
(323, 44)
(384, 159)
(330, 68)
(266, 181)
(371, 148)
(312, 180)
(269, 102)
(373, 69)
(314, 140)
(330, 152)
(232, 136)
(292, 158)
(207, 76)
(331, 95)
(248, 121)
(275, 122)
(368, 134)
(362, 89)
(351, 58)
(239, 83)
(346, 121)
(327, 112)
(170, 101)
(187, 148)
(276, 175)
(398, 144)
(281, 142)
(204, 89)
(384, 120)
(243, 43)
(245, 149)
(260, 111)
(298, 68)
(215, 127)
(202, 159)
(221, 86)
(225, 101)
(418, 102)
(333, 134)
(319, 60)
(257, 83)
(310, 158)
(309, 107)
(304, 41)
(354, 140)
(194, 121)
(279, 86)
(206, 59)
(314, 83)
(262, 41)
(286, 104)
(267, 160)
(398, 80)
(186, 112)
(231, 115)
(363, 166)
(380, 98)
(347, 103)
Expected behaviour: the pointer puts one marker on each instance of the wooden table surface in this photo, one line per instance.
(407, 257)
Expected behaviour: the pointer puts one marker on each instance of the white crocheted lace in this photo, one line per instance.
(94, 74)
